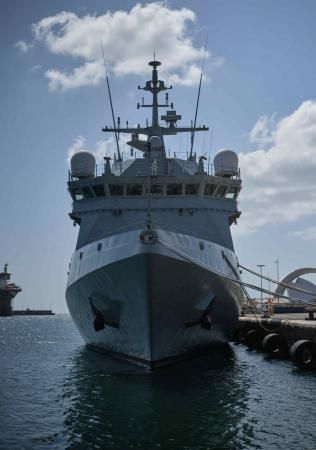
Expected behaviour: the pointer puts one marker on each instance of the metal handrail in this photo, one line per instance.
(207, 168)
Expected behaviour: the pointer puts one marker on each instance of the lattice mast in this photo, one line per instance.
(154, 86)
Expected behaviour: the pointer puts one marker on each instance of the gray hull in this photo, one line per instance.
(156, 308)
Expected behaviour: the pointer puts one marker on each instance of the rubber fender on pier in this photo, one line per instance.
(303, 354)
(275, 345)
(253, 339)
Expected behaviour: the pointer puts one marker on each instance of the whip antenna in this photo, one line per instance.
(197, 103)
(119, 158)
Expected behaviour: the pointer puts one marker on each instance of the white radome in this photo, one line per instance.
(82, 165)
(226, 163)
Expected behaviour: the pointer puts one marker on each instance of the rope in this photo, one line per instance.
(251, 303)
(223, 275)
(278, 282)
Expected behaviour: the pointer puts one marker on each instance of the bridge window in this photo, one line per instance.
(155, 189)
(220, 191)
(99, 190)
(87, 192)
(174, 189)
(209, 189)
(116, 189)
(134, 189)
(232, 192)
(191, 189)
(77, 194)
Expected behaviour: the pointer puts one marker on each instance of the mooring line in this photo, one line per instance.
(223, 275)
(280, 283)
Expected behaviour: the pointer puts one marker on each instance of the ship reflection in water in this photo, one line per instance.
(200, 403)
(57, 394)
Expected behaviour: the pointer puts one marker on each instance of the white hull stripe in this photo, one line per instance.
(126, 245)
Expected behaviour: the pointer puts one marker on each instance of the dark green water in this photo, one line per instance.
(55, 394)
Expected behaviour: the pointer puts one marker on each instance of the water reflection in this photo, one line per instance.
(55, 395)
(197, 404)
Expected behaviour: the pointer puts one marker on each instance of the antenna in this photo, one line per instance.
(119, 159)
(210, 150)
(197, 101)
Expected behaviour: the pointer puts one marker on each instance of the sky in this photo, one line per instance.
(258, 96)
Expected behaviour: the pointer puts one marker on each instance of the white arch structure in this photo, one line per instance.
(291, 277)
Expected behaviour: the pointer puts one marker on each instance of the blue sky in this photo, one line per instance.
(259, 98)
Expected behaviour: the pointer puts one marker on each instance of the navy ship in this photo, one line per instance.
(7, 292)
(152, 276)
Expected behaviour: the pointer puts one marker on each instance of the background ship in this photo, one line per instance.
(153, 274)
(7, 292)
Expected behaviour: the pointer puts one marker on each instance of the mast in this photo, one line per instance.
(119, 157)
(191, 158)
(155, 86)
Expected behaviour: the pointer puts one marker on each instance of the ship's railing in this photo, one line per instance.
(188, 168)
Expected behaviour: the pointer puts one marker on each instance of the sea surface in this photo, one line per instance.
(56, 394)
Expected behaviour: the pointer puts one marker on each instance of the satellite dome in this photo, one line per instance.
(82, 165)
(226, 163)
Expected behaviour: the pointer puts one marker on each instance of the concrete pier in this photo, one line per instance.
(32, 312)
(281, 336)
(291, 326)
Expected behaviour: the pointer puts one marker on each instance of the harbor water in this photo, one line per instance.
(56, 394)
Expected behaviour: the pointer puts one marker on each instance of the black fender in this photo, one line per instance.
(303, 354)
(253, 339)
(275, 345)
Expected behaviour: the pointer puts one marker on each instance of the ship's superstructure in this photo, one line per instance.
(152, 276)
(7, 292)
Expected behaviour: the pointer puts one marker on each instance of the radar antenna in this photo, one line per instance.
(191, 158)
(119, 157)
(155, 86)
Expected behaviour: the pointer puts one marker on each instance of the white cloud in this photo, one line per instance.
(106, 147)
(78, 145)
(279, 182)
(87, 75)
(263, 133)
(23, 46)
(308, 234)
(129, 39)
(36, 67)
